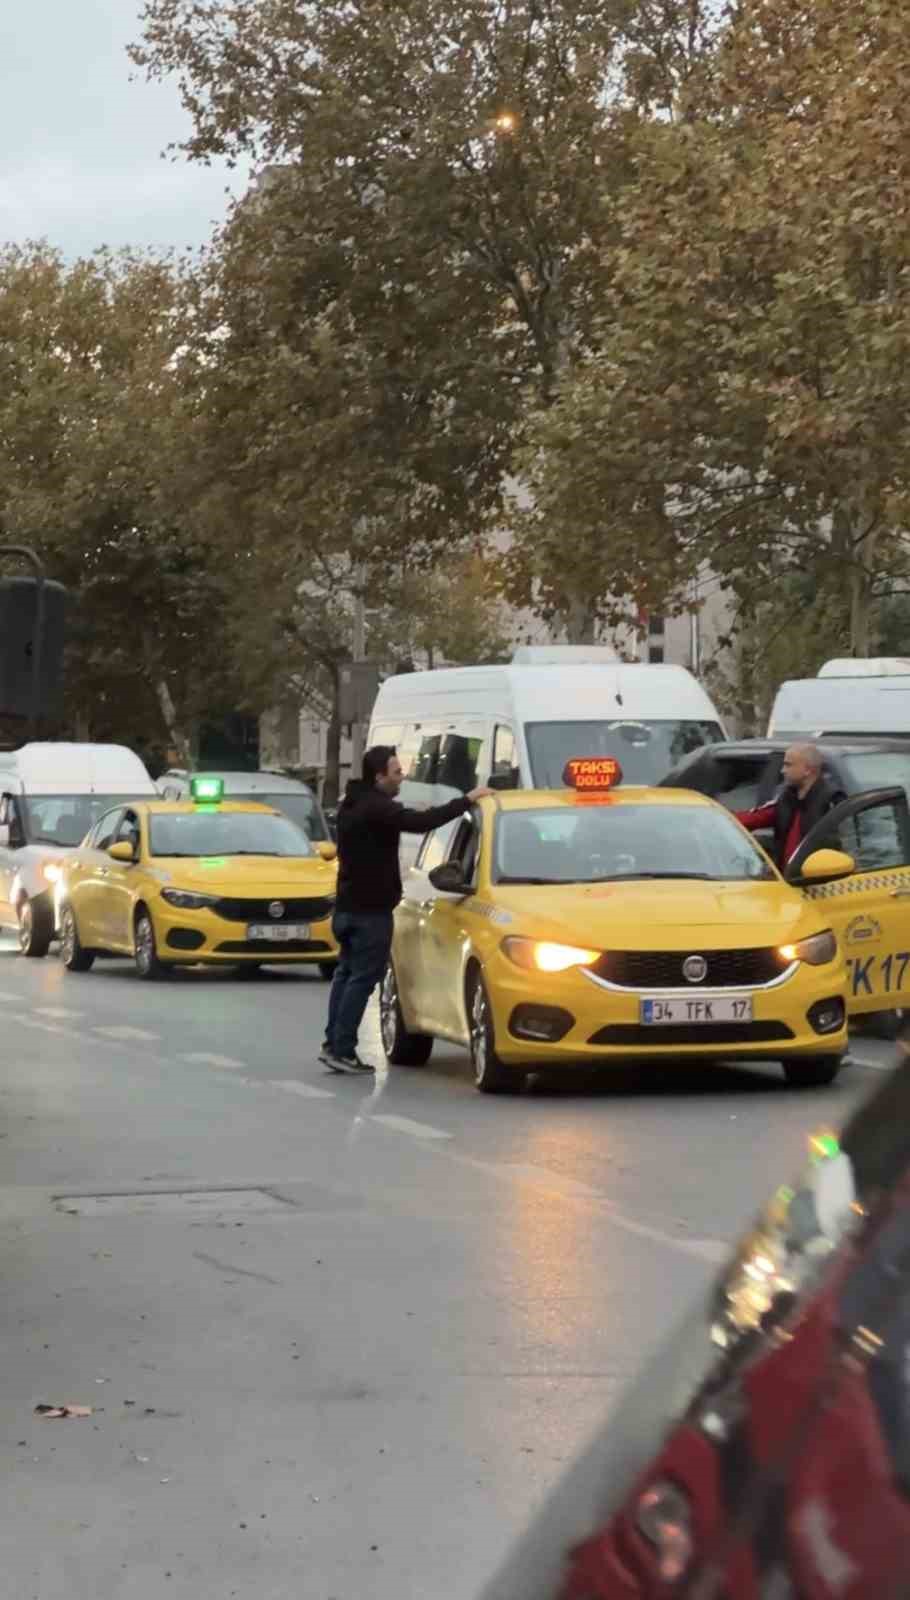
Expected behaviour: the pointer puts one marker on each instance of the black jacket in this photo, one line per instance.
(821, 799)
(370, 826)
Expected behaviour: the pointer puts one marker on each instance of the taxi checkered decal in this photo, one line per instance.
(864, 880)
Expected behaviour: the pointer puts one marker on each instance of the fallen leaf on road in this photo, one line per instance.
(51, 1413)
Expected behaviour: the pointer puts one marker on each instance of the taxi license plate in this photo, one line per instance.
(697, 1012)
(284, 934)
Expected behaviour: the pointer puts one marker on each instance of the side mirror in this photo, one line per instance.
(325, 849)
(121, 851)
(825, 866)
(449, 879)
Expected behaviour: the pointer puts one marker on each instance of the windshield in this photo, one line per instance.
(226, 833)
(646, 750)
(302, 809)
(65, 819)
(599, 844)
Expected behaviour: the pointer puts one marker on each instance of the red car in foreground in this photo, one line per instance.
(786, 1475)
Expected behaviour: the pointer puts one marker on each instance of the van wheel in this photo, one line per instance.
(491, 1075)
(812, 1072)
(146, 948)
(402, 1048)
(36, 928)
(75, 957)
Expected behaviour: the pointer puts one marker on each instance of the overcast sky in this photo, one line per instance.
(80, 145)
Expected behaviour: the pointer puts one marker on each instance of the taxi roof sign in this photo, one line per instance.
(207, 789)
(592, 774)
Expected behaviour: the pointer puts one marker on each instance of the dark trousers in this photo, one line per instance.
(365, 938)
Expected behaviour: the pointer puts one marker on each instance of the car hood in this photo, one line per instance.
(653, 914)
(249, 877)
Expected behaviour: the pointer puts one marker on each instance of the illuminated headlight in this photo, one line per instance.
(540, 956)
(663, 1517)
(186, 900)
(52, 871)
(817, 951)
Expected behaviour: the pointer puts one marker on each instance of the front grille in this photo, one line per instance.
(258, 910)
(267, 947)
(714, 1033)
(663, 969)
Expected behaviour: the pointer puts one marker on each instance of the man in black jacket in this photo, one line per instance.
(805, 798)
(370, 824)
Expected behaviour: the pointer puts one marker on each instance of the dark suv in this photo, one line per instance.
(746, 772)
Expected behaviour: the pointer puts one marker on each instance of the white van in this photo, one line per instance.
(849, 705)
(50, 796)
(516, 726)
(295, 799)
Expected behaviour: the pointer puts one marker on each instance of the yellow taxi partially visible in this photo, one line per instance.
(225, 883)
(597, 923)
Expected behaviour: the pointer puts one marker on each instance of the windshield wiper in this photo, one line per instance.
(632, 877)
(538, 881)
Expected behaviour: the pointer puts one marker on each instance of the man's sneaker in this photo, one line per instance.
(325, 1055)
(348, 1063)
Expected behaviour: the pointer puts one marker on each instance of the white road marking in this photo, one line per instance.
(27, 1021)
(866, 1061)
(58, 1013)
(125, 1034)
(544, 1179)
(306, 1091)
(15, 998)
(419, 1130)
(204, 1058)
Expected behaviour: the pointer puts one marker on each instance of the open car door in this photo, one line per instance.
(869, 910)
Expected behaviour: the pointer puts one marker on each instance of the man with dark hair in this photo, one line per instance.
(370, 824)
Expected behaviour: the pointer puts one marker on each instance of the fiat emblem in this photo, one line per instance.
(276, 909)
(695, 969)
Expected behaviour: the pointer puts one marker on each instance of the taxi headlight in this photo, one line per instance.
(817, 950)
(186, 900)
(51, 871)
(540, 956)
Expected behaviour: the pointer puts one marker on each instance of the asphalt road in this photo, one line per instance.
(339, 1338)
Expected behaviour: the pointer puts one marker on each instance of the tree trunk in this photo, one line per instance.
(579, 622)
(180, 743)
(332, 781)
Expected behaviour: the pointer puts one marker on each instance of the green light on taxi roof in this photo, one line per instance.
(211, 789)
(825, 1146)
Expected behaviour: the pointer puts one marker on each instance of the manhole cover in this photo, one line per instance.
(170, 1203)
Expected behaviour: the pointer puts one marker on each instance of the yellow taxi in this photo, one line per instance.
(175, 884)
(598, 923)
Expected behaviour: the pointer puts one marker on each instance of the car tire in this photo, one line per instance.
(491, 1074)
(402, 1048)
(72, 951)
(36, 928)
(327, 970)
(145, 947)
(812, 1072)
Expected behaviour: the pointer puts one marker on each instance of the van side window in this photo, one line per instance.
(409, 748)
(504, 772)
(426, 760)
(458, 762)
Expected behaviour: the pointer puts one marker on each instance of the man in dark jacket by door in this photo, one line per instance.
(805, 798)
(371, 821)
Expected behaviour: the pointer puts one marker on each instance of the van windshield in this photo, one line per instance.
(65, 819)
(646, 750)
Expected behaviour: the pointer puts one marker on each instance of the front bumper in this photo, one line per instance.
(194, 937)
(597, 1023)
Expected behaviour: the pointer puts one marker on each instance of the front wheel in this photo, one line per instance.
(402, 1048)
(812, 1072)
(491, 1074)
(75, 957)
(146, 948)
(36, 928)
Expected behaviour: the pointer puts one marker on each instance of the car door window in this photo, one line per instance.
(875, 839)
(128, 830)
(435, 846)
(465, 848)
(505, 772)
(741, 782)
(105, 830)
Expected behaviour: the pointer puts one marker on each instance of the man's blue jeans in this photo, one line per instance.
(365, 938)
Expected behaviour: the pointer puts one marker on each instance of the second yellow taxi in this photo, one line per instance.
(219, 882)
(595, 923)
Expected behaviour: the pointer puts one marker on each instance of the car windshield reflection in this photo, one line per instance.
(225, 833)
(624, 843)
